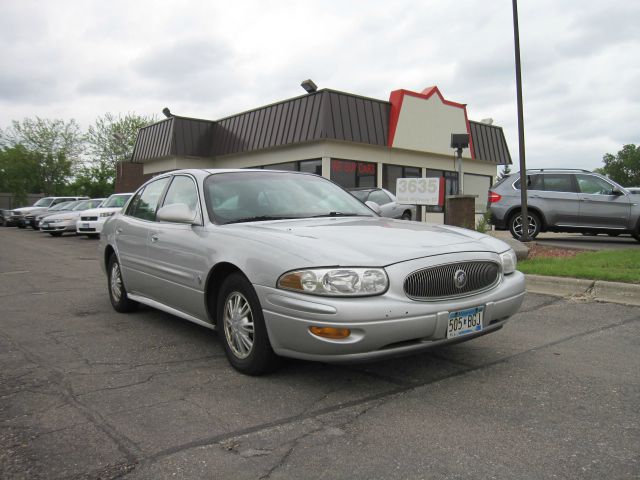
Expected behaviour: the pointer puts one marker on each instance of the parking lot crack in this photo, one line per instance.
(129, 449)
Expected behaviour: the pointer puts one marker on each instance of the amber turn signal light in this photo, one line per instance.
(330, 332)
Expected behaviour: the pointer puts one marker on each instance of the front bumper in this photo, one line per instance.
(382, 326)
(90, 227)
(57, 227)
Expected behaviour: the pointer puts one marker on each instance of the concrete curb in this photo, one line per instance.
(599, 290)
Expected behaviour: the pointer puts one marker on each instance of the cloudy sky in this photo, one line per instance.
(210, 59)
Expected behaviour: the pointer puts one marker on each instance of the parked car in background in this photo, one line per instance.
(565, 200)
(634, 190)
(60, 223)
(91, 221)
(61, 207)
(33, 219)
(389, 206)
(5, 218)
(290, 264)
(18, 215)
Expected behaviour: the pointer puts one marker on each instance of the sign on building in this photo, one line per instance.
(419, 191)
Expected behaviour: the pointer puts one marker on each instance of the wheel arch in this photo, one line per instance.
(107, 255)
(215, 278)
(515, 210)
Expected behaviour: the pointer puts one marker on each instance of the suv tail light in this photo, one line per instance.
(494, 197)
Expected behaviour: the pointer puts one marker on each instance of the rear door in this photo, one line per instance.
(557, 199)
(599, 206)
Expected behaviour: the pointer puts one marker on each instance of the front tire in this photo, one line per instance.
(242, 328)
(55, 234)
(516, 226)
(406, 215)
(117, 291)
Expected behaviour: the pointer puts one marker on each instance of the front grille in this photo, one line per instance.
(440, 281)
(88, 219)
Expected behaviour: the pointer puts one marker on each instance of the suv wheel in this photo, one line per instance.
(516, 226)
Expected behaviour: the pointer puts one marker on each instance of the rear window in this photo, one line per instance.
(534, 182)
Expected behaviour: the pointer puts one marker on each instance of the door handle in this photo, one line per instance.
(118, 230)
(154, 237)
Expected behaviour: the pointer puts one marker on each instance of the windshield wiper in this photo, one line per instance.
(340, 214)
(259, 218)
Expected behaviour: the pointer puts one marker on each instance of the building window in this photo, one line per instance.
(450, 186)
(288, 166)
(352, 174)
(479, 186)
(309, 166)
(391, 173)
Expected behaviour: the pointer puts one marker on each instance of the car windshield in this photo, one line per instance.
(116, 201)
(71, 205)
(235, 197)
(83, 205)
(43, 202)
(60, 206)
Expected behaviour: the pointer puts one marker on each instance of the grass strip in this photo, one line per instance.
(609, 265)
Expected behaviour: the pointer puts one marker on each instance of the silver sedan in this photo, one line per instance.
(289, 264)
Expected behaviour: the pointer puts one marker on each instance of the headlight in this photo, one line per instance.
(509, 261)
(336, 282)
(106, 214)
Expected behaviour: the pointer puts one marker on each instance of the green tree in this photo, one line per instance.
(55, 145)
(624, 167)
(111, 140)
(17, 165)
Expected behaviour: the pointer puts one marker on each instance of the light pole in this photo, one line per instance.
(524, 211)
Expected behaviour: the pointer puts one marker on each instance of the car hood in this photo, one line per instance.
(64, 216)
(29, 210)
(361, 241)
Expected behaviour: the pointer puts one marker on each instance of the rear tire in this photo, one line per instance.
(406, 215)
(117, 291)
(242, 329)
(516, 226)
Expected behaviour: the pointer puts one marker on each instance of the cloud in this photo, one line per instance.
(211, 59)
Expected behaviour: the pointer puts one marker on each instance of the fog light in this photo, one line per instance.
(330, 332)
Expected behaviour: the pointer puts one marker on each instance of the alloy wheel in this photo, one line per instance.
(238, 325)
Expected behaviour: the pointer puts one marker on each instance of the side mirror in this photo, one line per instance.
(176, 213)
(373, 206)
(617, 191)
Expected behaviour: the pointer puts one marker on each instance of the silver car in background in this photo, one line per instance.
(387, 201)
(289, 264)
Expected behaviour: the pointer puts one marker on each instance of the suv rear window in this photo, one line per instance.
(534, 182)
(548, 182)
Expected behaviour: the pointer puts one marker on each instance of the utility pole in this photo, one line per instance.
(524, 211)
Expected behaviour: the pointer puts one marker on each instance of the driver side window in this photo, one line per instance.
(594, 185)
(182, 191)
(145, 203)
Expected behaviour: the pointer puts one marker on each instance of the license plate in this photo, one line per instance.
(45, 225)
(465, 322)
(84, 225)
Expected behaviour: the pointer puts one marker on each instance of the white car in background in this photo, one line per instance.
(56, 225)
(91, 221)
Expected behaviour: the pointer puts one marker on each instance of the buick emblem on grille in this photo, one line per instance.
(460, 278)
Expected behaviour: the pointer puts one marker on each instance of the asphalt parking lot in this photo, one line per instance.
(89, 393)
